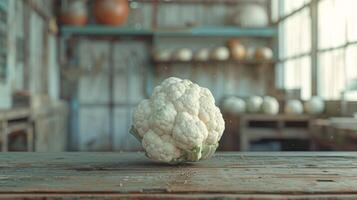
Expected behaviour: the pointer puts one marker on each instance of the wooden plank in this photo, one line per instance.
(249, 63)
(255, 127)
(174, 196)
(131, 175)
(18, 126)
(265, 117)
(17, 113)
(266, 133)
(209, 31)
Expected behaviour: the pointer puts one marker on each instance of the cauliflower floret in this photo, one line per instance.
(189, 101)
(163, 121)
(179, 123)
(141, 114)
(160, 148)
(189, 132)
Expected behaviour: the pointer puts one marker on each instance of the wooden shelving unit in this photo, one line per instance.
(14, 121)
(154, 33)
(259, 126)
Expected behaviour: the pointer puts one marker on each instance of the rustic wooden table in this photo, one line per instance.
(131, 175)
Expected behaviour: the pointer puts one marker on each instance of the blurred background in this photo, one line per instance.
(283, 72)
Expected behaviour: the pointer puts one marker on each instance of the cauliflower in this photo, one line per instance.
(179, 123)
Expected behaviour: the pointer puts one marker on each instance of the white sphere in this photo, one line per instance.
(254, 104)
(252, 15)
(183, 54)
(162, 55)
(250, 53)
(264, 53)
(270, 105)
(202, 55)
(314, 106)
(220, 53)
(233, 105)
(294, 107)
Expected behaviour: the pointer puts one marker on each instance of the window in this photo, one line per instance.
(295, 46)
(337, 31)
(336, 47)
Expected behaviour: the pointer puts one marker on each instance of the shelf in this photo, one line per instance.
(190, 32)
(227, 31)
(102, 30)
(200, 1)
(215, 62)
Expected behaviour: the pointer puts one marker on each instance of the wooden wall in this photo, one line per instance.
(32, 66)
(106, 98)
(32, 56)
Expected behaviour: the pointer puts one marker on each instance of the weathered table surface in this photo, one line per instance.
(132, 175)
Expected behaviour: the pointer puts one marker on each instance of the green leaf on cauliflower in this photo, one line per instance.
(208, 151)
(135, 133)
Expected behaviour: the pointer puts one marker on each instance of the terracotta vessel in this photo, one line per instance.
(111, 12)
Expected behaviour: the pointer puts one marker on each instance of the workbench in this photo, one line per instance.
(338, 134)
(279, 175)
(255, 127)
(12, 121)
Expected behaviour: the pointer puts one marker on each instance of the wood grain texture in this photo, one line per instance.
(254, 127)
(227, 175)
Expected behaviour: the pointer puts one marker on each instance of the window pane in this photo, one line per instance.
(351, 62)
(298, 75)
(351, 17)
(332, 74)
(296, 34)
(332, 23)
(351, 71)
(292, 5)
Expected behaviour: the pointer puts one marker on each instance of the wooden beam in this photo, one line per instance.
(314, 48)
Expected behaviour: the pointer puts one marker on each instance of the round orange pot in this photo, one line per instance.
(111, 12)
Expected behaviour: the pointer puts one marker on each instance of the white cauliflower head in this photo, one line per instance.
(179, 123)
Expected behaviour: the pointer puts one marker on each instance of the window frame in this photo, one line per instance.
(315, 52)
(281, 17)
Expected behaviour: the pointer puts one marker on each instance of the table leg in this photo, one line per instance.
(30, 137)
(4, 137)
